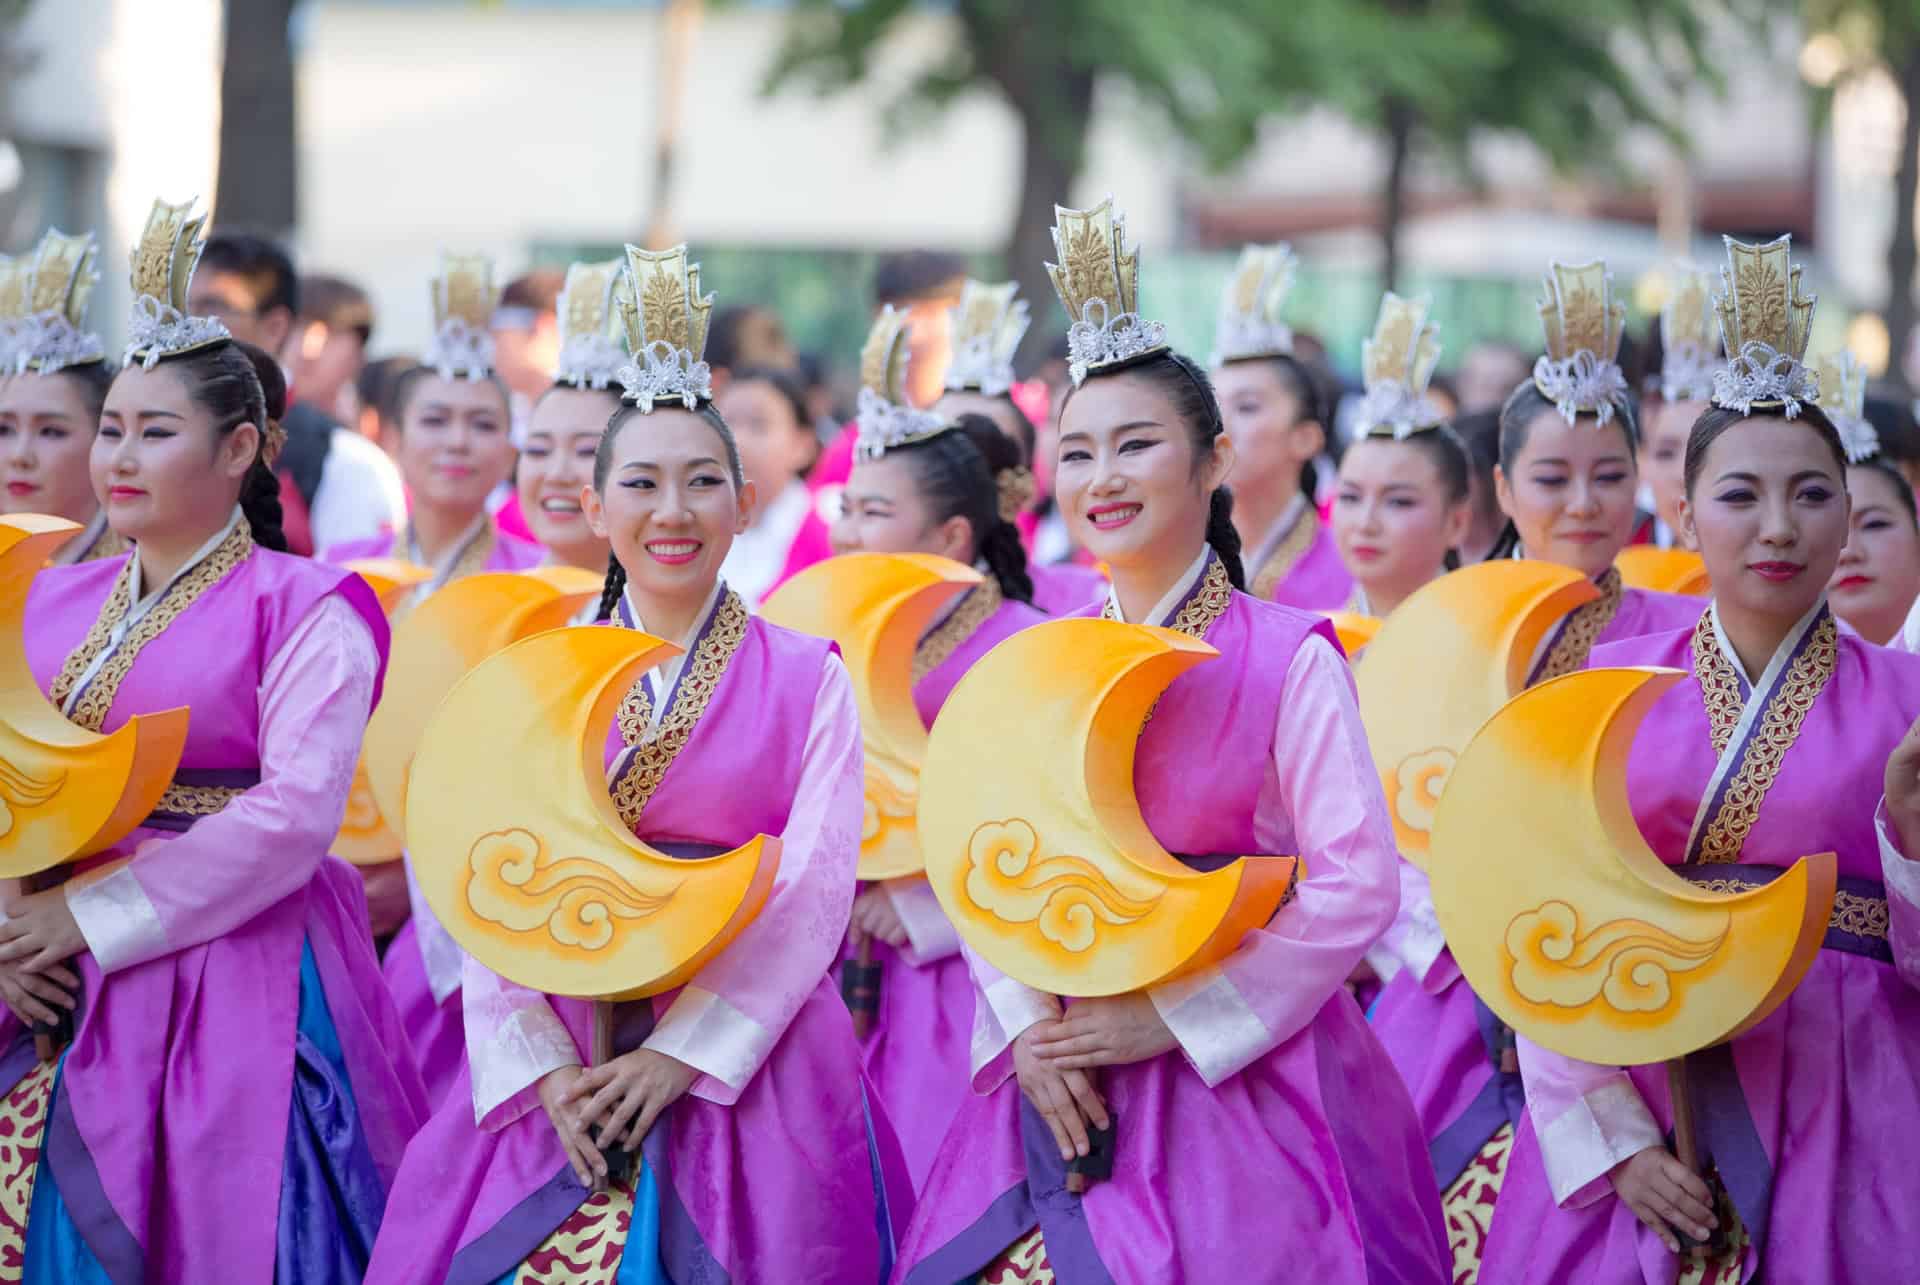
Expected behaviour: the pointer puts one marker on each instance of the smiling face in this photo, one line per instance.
(1265, 419)
(1134, 494)
(46, 435)
(670, 507)
(1768, 512)
(165, 474)
(453, 446)
(1393, 519)
(882, 510)
(1663, 452)
(556, 467)
(1878, 578)
(1570, 492)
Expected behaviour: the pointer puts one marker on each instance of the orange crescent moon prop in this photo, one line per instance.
(876, 606)
(522, 854)
(1666, 570)
(462, 624)
(1033, 838)
(1353, 630)
(1449, 656)
(365, 839)
(1562, 918)
(65, 792)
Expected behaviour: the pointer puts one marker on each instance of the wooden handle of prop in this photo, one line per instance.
(861, 989)
(1685, 1148)
(50, 1039)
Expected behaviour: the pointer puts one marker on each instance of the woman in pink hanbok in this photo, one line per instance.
(236, 1094)
(1260, 1131)
(760, 1157)
(1778, 744)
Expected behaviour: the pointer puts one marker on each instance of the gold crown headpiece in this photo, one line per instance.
(988, 324)
(1765, 322)
(163, 264)
(13, 307)
(665, 317)
(1689, 337)
(883, 417)
(1843, 396)
(591, 334)
(1395, 366)
(1251, 304)
(1582, 323)
(1098, 281)
(464, 298)
(59, 282)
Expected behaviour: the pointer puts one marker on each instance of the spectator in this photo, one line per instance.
(526, 336)
(749, 336)
(329, 345)
(335, 486)
(1490, 371)
(376, 416)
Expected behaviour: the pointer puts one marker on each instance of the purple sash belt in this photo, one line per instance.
(197, 793)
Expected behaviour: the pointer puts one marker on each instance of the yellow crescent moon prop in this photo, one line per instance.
(365, 839)
(1448, 657)
(1034, 840)
(1562, 918)
(65, 792)
(876, 606)
(1353, 630)
(1667, 570)
(462, 624)
(521, 852)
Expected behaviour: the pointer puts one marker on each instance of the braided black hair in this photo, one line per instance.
(957, 473)
(237, 384)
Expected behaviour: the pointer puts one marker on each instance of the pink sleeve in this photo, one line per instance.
(1002, 1008)
(1413, 940)
(1322, 797)
(1587, 1118)
(1902, 876)
(930, 934)
(269, 842)
(726, 1021)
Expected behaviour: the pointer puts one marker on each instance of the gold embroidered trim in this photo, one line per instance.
(653, 756)
(1207, 604)
(1583, 628)
(945, 638)
(196, 800)
(1292, 547)
(91, 711)
(1853, 912)
(1768, 745)
(1719, 685)
(107, 544)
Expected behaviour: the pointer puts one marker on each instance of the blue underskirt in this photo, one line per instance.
(640, 1256)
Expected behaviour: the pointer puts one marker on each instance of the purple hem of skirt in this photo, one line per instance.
(683, 1253)
(519, 1232)
(93, 1215)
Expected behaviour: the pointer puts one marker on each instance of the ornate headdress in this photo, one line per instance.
(988, 325)
(1582, 323)
(1765, 321)
(1395, 365)
(1843, 396)
(1689, 337)
(883, 415)
(163, 264)
(1250, 306)
(1098, 281)
(591, 351)
(13, 306)
(666, 323)
(464, 298)
(59, 282)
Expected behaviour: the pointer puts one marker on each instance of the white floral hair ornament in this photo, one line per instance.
(464, 298)
(1098, 281)
(1396, 364)
(988, 324)
(1765, 322)
(163, 262)
(1689, 337)
(883, 417)
(1250, 305)
(1843, 396)
(1582, 323)
(665, 317)
(591, 347)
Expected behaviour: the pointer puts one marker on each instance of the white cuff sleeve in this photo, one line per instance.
(930, 934)
(519, 1052)
(117, 919)
(1582, 1145)
(714, 1038)
(1218, 1031)
(1902, 874)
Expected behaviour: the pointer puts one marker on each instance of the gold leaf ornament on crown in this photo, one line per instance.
(1689, 337)
(13, 307)
(56, 285)
(1098, 281)
(1249, 326)
(1764, 321)
(988, 324)
(665, 318)
(464, 297)
(1843, 396)
(163, 261)
(592, 347)
(1396, 364)
(1581, 323)
(883, 417)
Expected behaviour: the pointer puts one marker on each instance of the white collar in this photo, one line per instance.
(1170, 602)
(662, 678)
(136, 573)
(1780, 653)
(1289, 517)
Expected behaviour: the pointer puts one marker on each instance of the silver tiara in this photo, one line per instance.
(884, 425)
(47, 342)
(1581, 382)
(590, 361)
(459, 351)
(661, 372)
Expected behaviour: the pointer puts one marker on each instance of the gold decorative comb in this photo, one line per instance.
(883, 416)
(59, 282)
(1843, 396)
(1581, 323)
(163, 261)
(464, 298)
(1765, 322)
(1689, 337)
(591, 351)
(1396, 365)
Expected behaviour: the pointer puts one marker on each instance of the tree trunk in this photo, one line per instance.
(1901, 251)
(255, 188)
(1393, 198)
